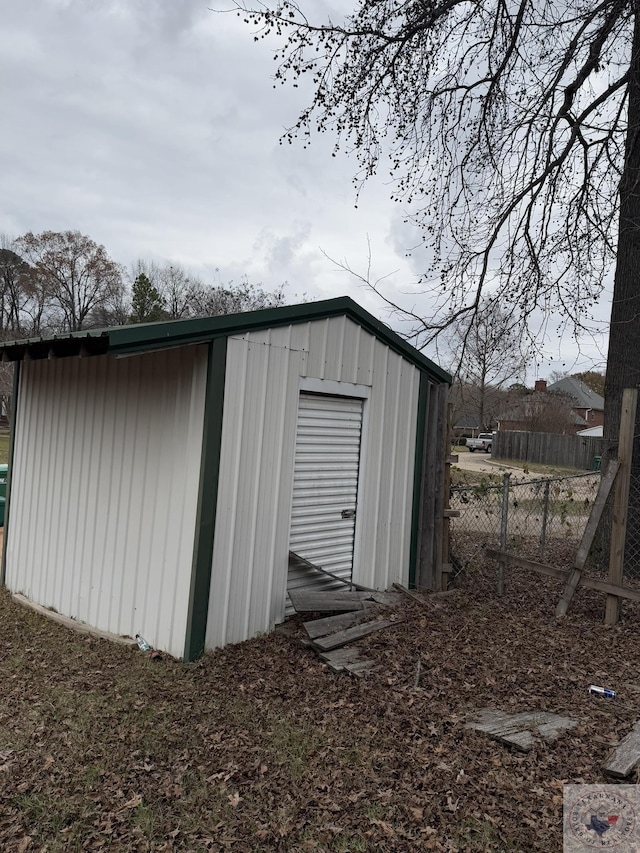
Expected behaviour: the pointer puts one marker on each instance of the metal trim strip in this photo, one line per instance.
(421, 420)
(12, 441)
(207, 501)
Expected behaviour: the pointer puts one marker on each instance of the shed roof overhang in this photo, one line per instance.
(146, 337)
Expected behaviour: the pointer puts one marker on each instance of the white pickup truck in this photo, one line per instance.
(482, 442)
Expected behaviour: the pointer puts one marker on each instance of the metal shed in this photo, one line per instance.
(160, 474)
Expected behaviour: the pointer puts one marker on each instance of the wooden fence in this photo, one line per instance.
(544, 448)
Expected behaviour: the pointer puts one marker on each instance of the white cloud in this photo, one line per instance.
(154, 128)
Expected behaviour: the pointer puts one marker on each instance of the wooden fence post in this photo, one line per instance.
(440, 451)
(446, 529)
(621, 500)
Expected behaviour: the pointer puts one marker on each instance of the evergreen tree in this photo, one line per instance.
(147, 305)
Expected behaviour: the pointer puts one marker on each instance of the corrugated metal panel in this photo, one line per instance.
(249, 571)
(325, 484)
(383, 534)
(104, 490)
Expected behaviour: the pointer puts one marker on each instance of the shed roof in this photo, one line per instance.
(145, 337)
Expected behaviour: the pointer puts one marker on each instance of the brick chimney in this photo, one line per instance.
(541, 385)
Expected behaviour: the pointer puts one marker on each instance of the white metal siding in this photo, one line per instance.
(325, 484)
(104, 489)
(250, 559)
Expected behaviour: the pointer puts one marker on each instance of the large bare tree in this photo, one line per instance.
(510, 131)
(491, 358)
(14, 287)
(72, 273)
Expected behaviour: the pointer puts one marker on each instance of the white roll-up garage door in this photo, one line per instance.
(325, 488)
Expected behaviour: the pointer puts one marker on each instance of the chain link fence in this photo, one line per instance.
(541, 519)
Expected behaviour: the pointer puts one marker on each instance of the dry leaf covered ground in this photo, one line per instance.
(259, 747)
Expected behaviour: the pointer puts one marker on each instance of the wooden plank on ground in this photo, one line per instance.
(348, 660)
(625, 756)
(520, 730)
(388, 599)
(562, 574)
(341, 638)
(74, 624)
(305, 601)
(409, 592)
(606, 482)
(339, 658)
(567, 593)
(362, 668)
(331, 624)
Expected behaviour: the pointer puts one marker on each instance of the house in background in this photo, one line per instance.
(585, 402)
(468, 426)
(545, 409)
(161, 474)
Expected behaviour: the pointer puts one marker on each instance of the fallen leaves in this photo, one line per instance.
(102, 749)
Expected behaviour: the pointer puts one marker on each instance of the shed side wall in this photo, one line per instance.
(105, 486)
(250, 558)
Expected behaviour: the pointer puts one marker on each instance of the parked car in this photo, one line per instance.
(482, 442)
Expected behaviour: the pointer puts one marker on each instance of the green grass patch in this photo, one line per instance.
(4, 447)
(293, 745)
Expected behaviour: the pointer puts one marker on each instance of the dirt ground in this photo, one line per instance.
(259, 747)
(484, 463)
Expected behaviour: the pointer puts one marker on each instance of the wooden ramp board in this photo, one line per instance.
(341, 638)
(348, 660)
(520, 730)
(332, 624)
(305, 601)
(388, 599)
(625, 756)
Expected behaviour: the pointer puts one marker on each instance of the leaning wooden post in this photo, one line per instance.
(503, 530)
(621, 500)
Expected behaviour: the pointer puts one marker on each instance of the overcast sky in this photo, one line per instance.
(153, 127)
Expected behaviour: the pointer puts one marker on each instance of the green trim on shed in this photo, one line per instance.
(149, 336)
(207, 501)
(421, 423)
(12, 442)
